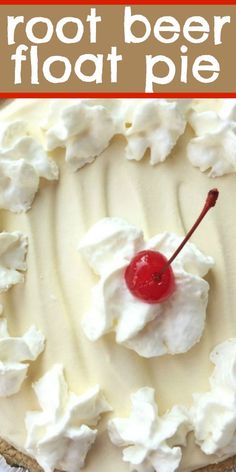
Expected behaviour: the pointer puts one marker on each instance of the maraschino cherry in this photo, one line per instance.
(149, 276)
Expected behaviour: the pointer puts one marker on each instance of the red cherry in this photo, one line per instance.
(149, 275)
(143, 279)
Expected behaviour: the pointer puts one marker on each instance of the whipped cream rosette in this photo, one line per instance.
(151, 330)
(23, 161)
(151, 443)
(155, 125)
(213, 413)
(14, 352)
(83, 127)
(60, 435)
(214, 147)
(13, 250)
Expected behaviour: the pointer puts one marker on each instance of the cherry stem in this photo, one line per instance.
(210, 203)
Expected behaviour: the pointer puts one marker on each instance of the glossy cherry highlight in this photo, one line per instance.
(149, 275)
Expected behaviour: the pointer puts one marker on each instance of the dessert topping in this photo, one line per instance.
(149, 275)
(60, 435)
(155, 329)
(14, 351)
(13, 250)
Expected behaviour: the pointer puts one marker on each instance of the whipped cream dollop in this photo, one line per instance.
(214, 146)
(14, 351)
(60, 436)
(22, 162)
(213, 413)
(151, 443)
(155, 125)
(173, 326)
(83, 127)
(13, 250)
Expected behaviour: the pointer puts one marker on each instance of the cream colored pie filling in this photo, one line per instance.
(57, 288)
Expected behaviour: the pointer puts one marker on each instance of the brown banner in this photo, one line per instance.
(108, 48)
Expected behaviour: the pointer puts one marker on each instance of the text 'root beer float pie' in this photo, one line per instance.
(117, 333)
